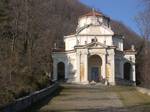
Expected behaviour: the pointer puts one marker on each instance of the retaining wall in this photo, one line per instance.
(25, 102)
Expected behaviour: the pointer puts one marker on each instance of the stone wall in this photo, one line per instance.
(25, 102)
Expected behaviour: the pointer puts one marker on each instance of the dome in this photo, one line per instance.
(93, 18)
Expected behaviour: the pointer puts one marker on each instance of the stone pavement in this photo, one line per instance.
(81, 98)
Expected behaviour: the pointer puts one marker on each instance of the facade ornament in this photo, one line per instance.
(95, 39)
(105, 42)
(85, 42)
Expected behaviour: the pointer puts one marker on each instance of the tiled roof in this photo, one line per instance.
(93, 13)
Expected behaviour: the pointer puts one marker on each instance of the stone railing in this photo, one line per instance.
(25, 102)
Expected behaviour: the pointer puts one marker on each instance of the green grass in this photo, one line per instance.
(132, 99)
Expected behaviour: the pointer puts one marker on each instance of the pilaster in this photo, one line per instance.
(78, 55)
(54, 70)
(66, 70)
(134, 73)
(112, 64)
(103, 66)
(122, 69)
(86, 67)
(113, 69)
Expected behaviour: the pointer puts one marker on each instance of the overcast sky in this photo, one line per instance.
(121, 10)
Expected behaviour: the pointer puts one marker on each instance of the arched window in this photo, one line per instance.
(61, 71)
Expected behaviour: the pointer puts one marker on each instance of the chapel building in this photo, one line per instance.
(94, 54)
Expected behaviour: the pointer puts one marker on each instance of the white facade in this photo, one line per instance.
(93, 53)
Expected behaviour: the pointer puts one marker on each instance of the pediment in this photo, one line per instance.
(96, 30)
(95, 45)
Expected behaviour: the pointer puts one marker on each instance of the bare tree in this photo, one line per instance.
(143, 22)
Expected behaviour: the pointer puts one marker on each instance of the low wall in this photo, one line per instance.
(143, 90)
(25, 102)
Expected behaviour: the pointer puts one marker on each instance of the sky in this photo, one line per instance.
(121, 10)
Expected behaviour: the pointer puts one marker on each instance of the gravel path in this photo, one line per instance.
(79, 98)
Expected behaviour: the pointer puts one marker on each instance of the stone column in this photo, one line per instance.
(78, 67)
(66, 69)
(112, 64)
(133, 73)
(103, 69)
(54, 70)
(86, 67)
(122, 69)
(113, 70)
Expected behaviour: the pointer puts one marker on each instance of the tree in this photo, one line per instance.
(3, 10)
(143, 22)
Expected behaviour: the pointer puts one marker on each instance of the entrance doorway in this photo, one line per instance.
(94, 65)
(127, 71)
(61, 71)
(95, 74)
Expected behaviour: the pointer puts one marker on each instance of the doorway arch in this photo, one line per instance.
(60, 71)
(94, 65)
(127, 71)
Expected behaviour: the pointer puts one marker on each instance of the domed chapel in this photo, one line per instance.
(94, 54)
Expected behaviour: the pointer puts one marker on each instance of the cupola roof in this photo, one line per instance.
(94, 13)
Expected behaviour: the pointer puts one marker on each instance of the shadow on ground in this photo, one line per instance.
(35, 107)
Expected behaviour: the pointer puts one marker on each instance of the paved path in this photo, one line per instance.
(77, 98)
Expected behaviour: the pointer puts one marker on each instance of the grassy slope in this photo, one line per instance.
(132, 99)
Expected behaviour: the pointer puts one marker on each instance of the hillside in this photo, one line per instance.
(26, 42)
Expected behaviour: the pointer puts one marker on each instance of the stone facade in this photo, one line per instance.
(93, 54)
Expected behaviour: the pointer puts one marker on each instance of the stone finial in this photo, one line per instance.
(55, 45)
(132, 47)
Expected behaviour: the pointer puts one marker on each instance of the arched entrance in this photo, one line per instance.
(127, 71)
(94, 65)
(61, 71)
